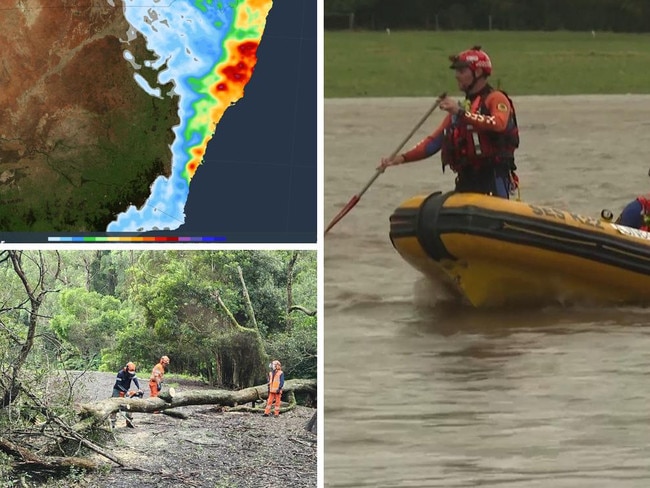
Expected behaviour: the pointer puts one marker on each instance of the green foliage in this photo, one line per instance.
(297, 351)
(8, 479)
(90, 321)
(132, 343)
(103, 273)
(584, 15)
(125, 305)
(264, 272)
(76, 475)
(183, 320)
(415, 63)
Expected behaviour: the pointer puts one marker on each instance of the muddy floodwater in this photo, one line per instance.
(422, 393)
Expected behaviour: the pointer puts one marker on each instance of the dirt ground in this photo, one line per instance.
(211, 448)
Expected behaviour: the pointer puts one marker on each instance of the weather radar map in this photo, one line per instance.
(111, 110)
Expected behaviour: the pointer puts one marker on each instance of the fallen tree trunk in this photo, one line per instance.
(290, 406)
(97, 412)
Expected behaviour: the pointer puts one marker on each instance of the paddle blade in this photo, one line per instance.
(353, 201)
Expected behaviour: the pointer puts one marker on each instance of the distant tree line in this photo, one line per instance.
(580, 15)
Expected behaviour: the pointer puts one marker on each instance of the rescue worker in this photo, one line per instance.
(636, 214)
(478, 137)
(157, 375)
(122, 387)
(276, 383)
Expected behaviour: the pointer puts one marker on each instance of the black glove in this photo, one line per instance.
(159, 386)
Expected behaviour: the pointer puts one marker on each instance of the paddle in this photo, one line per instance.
(355, 199)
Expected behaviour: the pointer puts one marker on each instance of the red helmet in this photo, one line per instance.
(473, 59)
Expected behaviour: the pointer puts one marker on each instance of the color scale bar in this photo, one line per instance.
(135, 239)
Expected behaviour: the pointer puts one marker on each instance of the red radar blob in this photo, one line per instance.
(240, 69)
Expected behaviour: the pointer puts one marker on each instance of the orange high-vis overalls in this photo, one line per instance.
(157, 374)
(275, 393)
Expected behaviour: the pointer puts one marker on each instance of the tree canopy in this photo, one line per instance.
(221, 315)
(584, 15)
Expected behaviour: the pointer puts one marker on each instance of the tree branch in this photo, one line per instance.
(14, 337)
(306, 311)
(217, 295)
(28, 461)
(290, 270)
(251, 312)
(70, 430)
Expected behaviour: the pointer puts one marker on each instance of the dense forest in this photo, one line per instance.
(584, 15)
(220, 315)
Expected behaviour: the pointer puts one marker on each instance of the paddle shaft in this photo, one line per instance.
(355, 199)
(418, 125)
(402, 144)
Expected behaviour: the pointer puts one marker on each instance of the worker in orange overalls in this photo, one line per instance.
(157, 375)
(276, 383)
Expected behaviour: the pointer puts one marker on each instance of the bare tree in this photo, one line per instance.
(35, 288)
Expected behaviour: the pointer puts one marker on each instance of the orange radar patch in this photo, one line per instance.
(259, 4)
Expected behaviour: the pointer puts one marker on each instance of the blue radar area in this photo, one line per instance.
(258, 180)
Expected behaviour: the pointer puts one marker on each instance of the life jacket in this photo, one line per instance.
(274, 380)
(645, 212)
(464, 146)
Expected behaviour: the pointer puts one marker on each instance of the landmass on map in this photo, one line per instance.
(80, 140)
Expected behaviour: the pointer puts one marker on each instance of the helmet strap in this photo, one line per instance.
(472, 84)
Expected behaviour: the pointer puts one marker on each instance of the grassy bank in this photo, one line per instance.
(415, 63)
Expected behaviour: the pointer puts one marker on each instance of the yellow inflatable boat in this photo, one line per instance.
(494, 251)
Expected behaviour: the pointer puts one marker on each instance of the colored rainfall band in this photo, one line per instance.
(135, 239)
(224, 84)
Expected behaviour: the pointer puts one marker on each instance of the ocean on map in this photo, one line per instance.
(187, 42)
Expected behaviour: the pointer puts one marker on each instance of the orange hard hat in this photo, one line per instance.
(130, 366)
